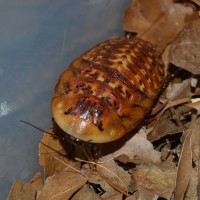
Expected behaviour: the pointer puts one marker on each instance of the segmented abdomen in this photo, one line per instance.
(107, 91)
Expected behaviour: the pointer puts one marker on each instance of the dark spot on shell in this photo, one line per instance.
(116, 106)
(70, 111)
(107, 100)
(78, 86)
(119, 88)
(100, 125)
(94, 75)
(124, 57)
(67, 87)
(128, 94)
(146, 76)
(99, 111)
(87, 90)
(151, 71)
(83, 106)
(106, 80)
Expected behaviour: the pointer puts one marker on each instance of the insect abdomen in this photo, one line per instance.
(107, 91)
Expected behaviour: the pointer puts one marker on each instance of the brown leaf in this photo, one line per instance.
(115, 196)
(86, 193)
(185, 49)
(49, 149)
(197, 2)
(195, 105)
(98, 180)
(62, 185)
(22, 191)
(184, 168)
(155, 179)
(164, 127)
(191, 192)
(156, 21)
(114, 175)
(137, 147)
(37, 181)
(135, 196)
(161, 126)
(179, 90)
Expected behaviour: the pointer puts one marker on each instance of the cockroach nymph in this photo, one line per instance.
(107, 91)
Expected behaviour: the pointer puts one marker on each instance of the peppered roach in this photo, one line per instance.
(107, 91)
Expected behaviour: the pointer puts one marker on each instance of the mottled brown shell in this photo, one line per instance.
(107, 91)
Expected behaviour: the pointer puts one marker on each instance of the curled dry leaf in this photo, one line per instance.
(51, 148)
(62, 185)
(185, 49)
(184, 168)
(147, 17)
(22, 191)
(155, 180)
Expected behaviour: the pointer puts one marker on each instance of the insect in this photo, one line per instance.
(107, 91)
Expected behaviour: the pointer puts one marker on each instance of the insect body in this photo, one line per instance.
(107, 91)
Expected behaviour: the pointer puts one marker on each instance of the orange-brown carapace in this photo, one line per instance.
(107, 91)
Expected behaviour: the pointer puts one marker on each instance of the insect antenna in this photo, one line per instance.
(52, 134)
(85, 147)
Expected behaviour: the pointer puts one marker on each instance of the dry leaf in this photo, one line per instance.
(155, 180)
(179, 90)
(160, 127)
(184, 168)
(22, 191)
(62, 185)
(165, 126)
(109, 192)
(49, 149)
(191, 192)
(137, 147)
(135, 196)
(197, 2)
(37, 181)
(185, 49)
(165, 58)
(114, 175)
(156, 21)
(115, 196)
(195, 105)
(86, 193)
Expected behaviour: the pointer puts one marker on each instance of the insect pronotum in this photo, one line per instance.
(107, 91)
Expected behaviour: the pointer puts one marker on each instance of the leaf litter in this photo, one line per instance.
(159, 160)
